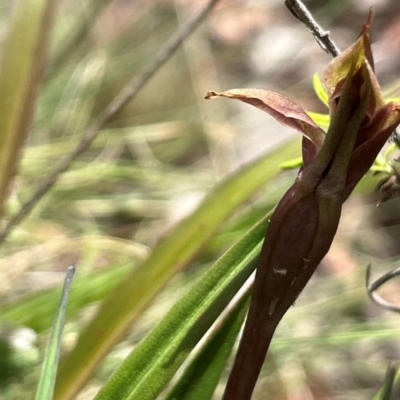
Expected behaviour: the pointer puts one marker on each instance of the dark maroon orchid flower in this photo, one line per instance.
(306, 219)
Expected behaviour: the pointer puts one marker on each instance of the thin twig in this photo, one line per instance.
(372, 287)
(126, 95)
(300, 11)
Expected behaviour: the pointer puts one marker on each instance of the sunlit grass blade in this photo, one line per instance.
(385, 393)
(133, 294)
(49, 369)
(21, 68)
(203, 373)
(149, 368)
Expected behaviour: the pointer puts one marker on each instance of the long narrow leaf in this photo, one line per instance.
(49, 369)
(21, 69)
(149, 368)
(201, 377)
(134, 293)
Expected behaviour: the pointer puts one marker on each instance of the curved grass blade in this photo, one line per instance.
(150, 367)
(49, 369)
(134, 293)
(202, 375)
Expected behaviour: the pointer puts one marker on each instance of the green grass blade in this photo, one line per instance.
(201, 377)
(49, 369)
(134, 293)
(21, 68)
(150, 367)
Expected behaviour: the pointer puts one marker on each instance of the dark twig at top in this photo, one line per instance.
(125, 96)
(372, 287)
(300, 11)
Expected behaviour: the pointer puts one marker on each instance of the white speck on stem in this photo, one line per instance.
(281, 271)
(272, 305)
(306, 262)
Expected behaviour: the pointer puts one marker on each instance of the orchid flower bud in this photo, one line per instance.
(305, 221)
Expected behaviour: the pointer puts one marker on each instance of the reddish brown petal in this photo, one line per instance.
(385, 117)
(280, 107)
(364, 155)
(367, 42)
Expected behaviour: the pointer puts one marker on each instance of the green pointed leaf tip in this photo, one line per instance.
(49, 369)
(87, 289)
